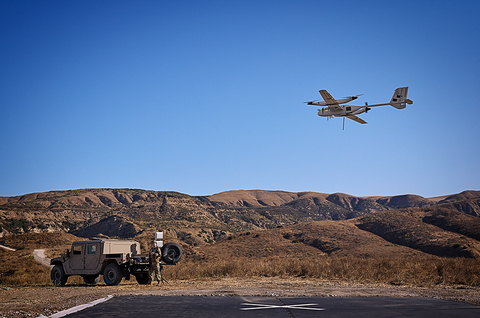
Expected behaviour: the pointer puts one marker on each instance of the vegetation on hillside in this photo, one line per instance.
(257, 233)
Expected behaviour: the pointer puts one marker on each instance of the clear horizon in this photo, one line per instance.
(366, 196)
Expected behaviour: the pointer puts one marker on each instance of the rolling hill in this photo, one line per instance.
(259, 223)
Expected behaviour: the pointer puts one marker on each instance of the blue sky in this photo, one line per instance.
(202, 97)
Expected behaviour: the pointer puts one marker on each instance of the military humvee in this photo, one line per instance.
(114, 259)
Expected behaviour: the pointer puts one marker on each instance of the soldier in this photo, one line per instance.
(155, 266)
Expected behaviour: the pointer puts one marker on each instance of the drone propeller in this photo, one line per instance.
(354, 96)
(367, 108)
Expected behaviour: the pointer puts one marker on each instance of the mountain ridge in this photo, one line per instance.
(236, 210)
(335, 224)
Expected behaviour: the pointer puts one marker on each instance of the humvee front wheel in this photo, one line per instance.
(112, 274)
(91, 279)
(57, 275)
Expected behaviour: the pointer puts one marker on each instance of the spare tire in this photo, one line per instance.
(143, 278)
(91, 279)
(171, 253)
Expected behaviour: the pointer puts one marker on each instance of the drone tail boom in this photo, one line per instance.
(399, 99)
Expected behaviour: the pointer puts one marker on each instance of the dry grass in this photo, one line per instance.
(20, 269)
(395, 271)
(420, 272)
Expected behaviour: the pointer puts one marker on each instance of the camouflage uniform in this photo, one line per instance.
(155, 267)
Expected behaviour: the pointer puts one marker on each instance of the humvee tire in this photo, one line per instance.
(91, 279)
(112, 274)
(57, 275)
(143, 279)
(171, 253)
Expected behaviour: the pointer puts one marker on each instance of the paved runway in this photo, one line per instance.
(198, 307)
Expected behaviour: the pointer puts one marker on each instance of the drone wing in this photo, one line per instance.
(357, 119)
(330, 101)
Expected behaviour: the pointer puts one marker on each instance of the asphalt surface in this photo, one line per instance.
(200, 306)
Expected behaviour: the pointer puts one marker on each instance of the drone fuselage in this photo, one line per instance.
(346, 110)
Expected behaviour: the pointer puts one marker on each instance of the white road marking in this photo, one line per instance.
(77, 308)
(263, 306)
(7, 248)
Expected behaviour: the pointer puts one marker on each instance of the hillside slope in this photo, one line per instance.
(418, 232)
(229, 211)
(306, 240)
(435, 231)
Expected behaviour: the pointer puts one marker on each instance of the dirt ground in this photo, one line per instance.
(36, 301)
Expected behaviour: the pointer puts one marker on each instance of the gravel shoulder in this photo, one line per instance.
(35, 301)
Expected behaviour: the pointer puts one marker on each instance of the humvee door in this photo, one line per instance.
(92, 255)
(76, 260)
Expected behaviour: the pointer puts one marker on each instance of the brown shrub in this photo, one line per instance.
(395, 271)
